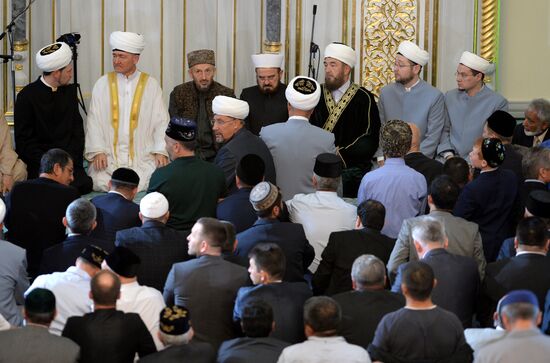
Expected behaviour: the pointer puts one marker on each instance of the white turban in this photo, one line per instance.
(477, 63)
(229, 106)
(53, 57)
(341, 52)
(267, 60)
(413, 52)
(303, 93)
(153, 205)
(127, 41)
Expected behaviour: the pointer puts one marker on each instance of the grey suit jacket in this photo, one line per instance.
(294, 146)
(13, 281)
(464, 240)
(34, 344)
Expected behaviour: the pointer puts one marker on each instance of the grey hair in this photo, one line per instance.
(520, 311)
(324, 183)
(80, 215)
(429, 230)
(541, 107)
(368, 270)
(182, 339)
(535, 159)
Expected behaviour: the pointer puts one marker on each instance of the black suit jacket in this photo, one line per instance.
(333, 274)
(35, 210)
(457, 283)
(114, 213)
(63, 255)
(109, 335)
(158, 247)
(265, 109)
(430, 168)
(248, 350)
(195, 352)
(527, 187)
(520, 138)
(527, 271)
(238, 210)
(363, 310)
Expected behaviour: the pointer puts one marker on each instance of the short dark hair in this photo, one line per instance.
(323, 315)
(52, 157)
(418, 277)
(123, 186)
(80, 215)
(213, 232)
(257, 319)
(190, 145)
(40, 306)
(458, 169)
(535, 159)
(231, 235)
(267, 212)
(444, 192)
(105, 288)
(270, 258)
(372, 214)
(532, 231)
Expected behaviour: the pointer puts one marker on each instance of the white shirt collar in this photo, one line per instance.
(408, 89)
(47, 84)
(530, 253)
(338, 93)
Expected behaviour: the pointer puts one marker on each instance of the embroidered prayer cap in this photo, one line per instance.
(93, 255)
(502, 123)
(395, 138)
(53, 57)
(263, 196)
(492, 151)
(2, 210)
(518, 297)
(174, 320)
(538, 203)
(267, 60)
(328, 165)
(127, 42)
(230, 106)
(153, 205)
(201, 56)
(40, 301)
(303, 93)
(477, 63)
(413, 52)
(123, 262)
(342, 52)
(181, 129)
(125, 176)
(251, 169)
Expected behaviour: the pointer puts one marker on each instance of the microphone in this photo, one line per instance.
(16, 57)
(314, 9)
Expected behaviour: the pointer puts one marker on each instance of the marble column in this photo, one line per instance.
(272, 42)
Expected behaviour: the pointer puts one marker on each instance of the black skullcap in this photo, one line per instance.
(251, 169)
(502, 123)
(174, 320)
(492, 151)
(126, 176)
(123, 262)
(40, 301)
(94, 255)
(538, 203)
(181, 129)
(328, 165)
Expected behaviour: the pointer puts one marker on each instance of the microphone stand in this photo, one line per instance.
(313, 49)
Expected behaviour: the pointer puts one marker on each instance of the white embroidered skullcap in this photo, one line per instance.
(229, 106)
(127, 41)
(53, 57)
(2, 210)
(413, 52)
(303, 93)
(341, 52)
(477, 63)
(267, 60)
(153, 205)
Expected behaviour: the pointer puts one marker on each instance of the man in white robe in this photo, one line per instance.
(127, 118)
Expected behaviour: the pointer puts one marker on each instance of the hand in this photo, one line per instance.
(161, 160)
(100, 161)
(7, 183)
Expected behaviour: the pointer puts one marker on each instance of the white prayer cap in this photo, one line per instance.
(53, 57)
(477, 63)
(341, 52)
(267, 60)
(127, 41)
(153, 205)
(229, 106)
(2, 210)
(303, 93)
(413, 52)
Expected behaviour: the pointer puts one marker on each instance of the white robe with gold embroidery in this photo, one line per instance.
(148, 135)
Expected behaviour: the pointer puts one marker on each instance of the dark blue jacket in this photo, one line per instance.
(114, 213)
(238, 210)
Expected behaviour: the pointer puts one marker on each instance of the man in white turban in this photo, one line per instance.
(127, 117)
(296, 143)
(228, 128)
(469, 106)
(348, 111)
(411, 99)
(47, 116)
(267, 99)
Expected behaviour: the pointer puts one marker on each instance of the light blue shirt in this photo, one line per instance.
(401, 189)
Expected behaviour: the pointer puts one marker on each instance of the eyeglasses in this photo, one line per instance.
(397, 65)
(462, 75)
(221, 122)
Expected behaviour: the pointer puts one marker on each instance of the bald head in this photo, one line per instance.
(415, 143)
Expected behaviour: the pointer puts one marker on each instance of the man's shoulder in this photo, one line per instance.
(250, 92)
(219, 89)
(10, 249)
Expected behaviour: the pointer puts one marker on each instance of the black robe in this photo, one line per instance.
(265, 109)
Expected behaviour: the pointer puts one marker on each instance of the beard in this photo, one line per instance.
(333, 83)
(267, 89)
(405, 80)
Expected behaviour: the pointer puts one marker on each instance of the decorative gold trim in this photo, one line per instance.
(5, 67)
(53, 21)
(435, 42)
(345, 7)
(427, 5)
(262, 14)
(489, 31)
(272, 47)
(102, 37)
(476, 26)
(18, 88)
(298, 37)
(418, 22)
(19, 67)
(161, 42)
(361, 70)
(21, 45)
(353, 21)
(287, 40)
(234, 65)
